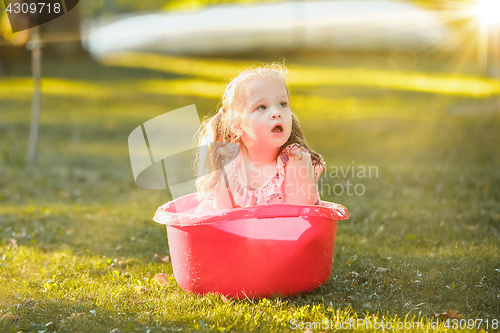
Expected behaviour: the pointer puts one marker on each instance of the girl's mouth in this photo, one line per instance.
(277, 129)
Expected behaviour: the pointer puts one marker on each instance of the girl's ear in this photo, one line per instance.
(237, 127)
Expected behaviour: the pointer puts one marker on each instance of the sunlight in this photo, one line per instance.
(21, 88)
(478, 33)
(213, 69)
(488, 11)
(444, 84)
(299, 76)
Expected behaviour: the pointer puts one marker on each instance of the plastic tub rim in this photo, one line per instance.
(166, 214)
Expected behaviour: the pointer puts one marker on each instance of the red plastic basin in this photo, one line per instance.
(255, 252)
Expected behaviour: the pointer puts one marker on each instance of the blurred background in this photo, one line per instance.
(408, 87)
(465, 32)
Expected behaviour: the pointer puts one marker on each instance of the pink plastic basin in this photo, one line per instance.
(257, 251)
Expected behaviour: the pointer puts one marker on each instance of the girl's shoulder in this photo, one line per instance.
(296, 151)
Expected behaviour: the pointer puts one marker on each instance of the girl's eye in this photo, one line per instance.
(261, 107)
(283, 104)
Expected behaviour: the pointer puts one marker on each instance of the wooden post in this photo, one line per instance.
(36, 60)
(482, 54)
(496, 60)
(495, 70)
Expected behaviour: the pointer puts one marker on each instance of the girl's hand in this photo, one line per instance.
(205, 206)
(300, 185)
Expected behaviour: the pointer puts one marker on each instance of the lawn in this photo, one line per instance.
(79, 250)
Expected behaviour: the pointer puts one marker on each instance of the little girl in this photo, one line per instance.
(274, 164)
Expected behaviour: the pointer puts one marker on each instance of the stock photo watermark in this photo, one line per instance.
(354, 324)
(27, 14)
(330, 184)
(162, 154)
(366, 324)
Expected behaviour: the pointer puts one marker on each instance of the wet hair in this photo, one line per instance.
(219, 128)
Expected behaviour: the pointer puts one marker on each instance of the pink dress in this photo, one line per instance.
(272, 191)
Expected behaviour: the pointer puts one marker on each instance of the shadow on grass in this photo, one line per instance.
(84, 314)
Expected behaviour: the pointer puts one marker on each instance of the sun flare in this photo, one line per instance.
(488, 11)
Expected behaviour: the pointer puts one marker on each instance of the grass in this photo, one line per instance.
(422, 243)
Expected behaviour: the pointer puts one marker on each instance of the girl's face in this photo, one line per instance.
(266, 115)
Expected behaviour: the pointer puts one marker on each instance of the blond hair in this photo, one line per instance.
(219, 128)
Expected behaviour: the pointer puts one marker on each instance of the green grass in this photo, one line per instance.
(421, 240)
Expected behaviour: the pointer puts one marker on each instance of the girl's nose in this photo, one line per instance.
(275, 113)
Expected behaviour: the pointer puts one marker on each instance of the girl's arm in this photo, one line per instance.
(300, 185)
(221, 199)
